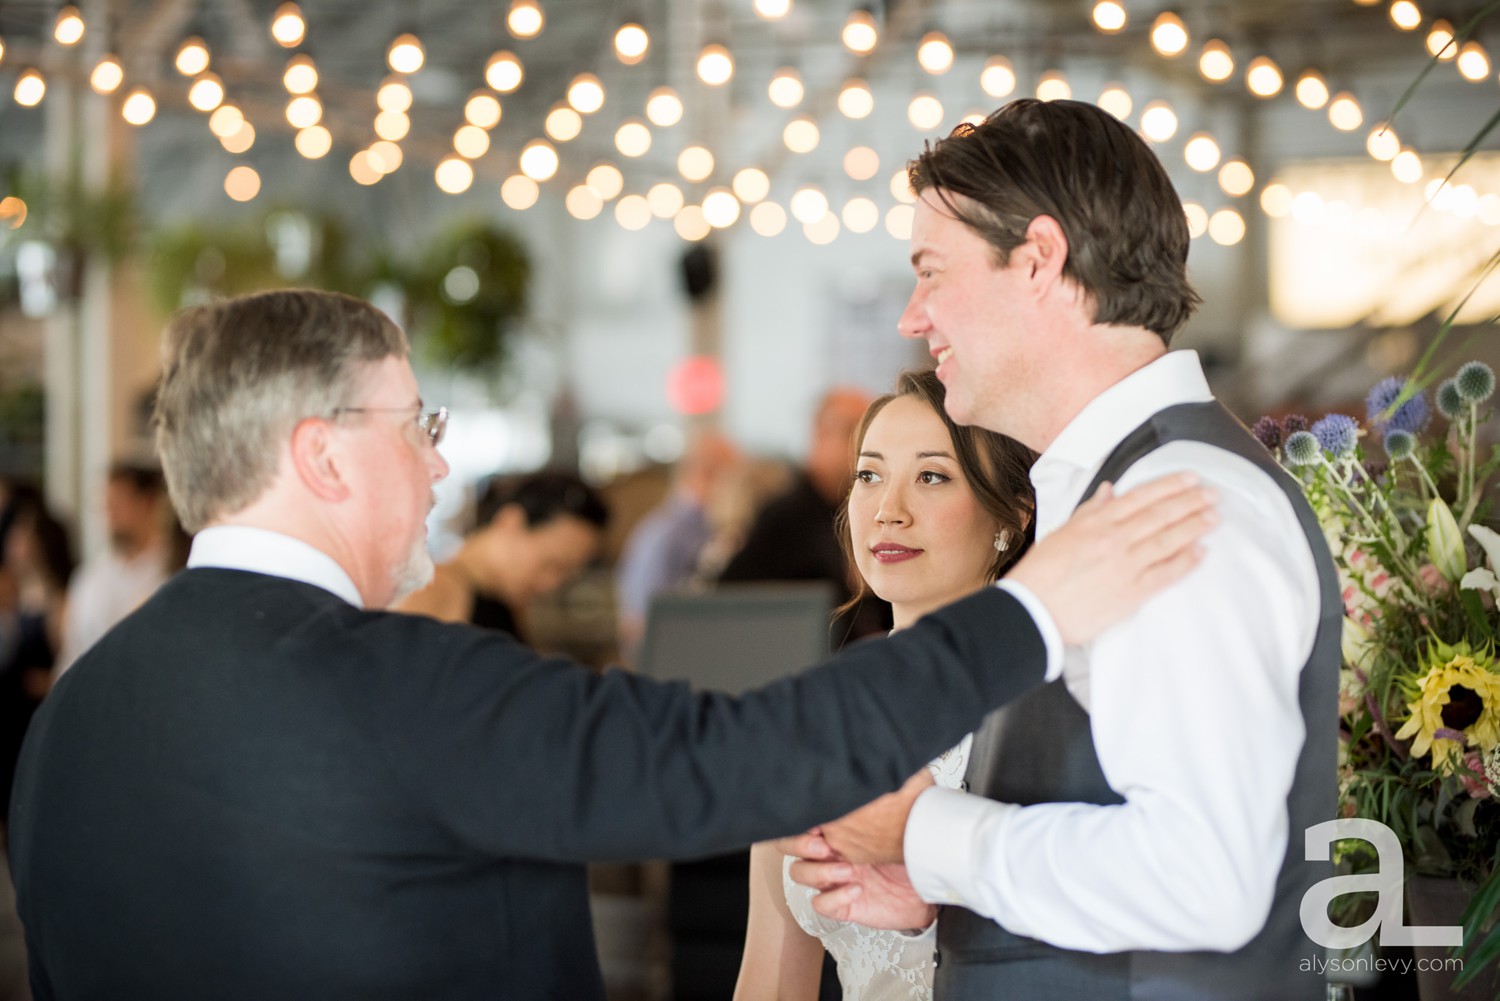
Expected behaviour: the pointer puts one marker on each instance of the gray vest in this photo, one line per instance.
(1039, 749)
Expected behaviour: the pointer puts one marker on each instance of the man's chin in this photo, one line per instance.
(414, 574)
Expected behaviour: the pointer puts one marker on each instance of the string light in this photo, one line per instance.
(242, 183)
(860, 215)
(1215, 62)
(12, 212)
(1473, 62)
(471, 142)
(631, 43)
(1312, 90)
(314, 142)
(665, 199)
(519, 192)
(901, 187)
(998, 78)
(538, 160)
(721, 208)
(107, 76)
(582, 203)
(1109, 16)
(1382, 143)
(768, 219)
(240, 140)
(392, 125)
(503, 72)
(925, 112)
(206, 93)
(898, 221)
(809, 204)
(1169, 36)
(664, 107)
(1158, 121)
(139, 107)
(605, 180)
(1197, 219)
(632, 212)
(632, 138)
(304, 112)
(69, 28)
(1344, 112)
(751, 185)
(715, 65)
(482, 109)
(453, 175)
(773, 10)
(1407, 166)
(1276, 200)
(1236, 178)
(695, 163)
(385, 156)
(393, 95)
(406, 54)
(563, 124)
(226, 120)
(861, 163)
(525, 19)
(1226, 227)
(822, 232)
(586, 93)
(31, 87)
(1201, 152)
(1263, 77)
(801, 135)
(1115, 99)
(192, 56)
(362, 170)
(855, 99)
(1440, 41)
(300, 75)
(288, 27)
(860, 34)
(690, 224)
(785, 89)
(935, 53)
(1053, 86)
(1405, 15)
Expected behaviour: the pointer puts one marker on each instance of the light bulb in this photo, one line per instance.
(1216, 62)
(107, 76)
(721, 208)
(1276, 200)
(664, 107)
(861, 163)
(69, 27)
(860, 215)
(139, 107)
(1405, 15)
(288, 27)
(632, 138)
(300, 75)
(695, 163)
(1407, 166)
(925, 112)
(715, 65)
(192, 57)
(935, 53)
(1115, 99)
(1201, 152)
(1197, 219)
(385, 157)
(226, 120)
(901, 187)
(392, 126)
(393, 95)
(586, 93)
(362, 170)
(1263, 77)
(665, 199)
(406, 54)
(563, 124)
(1053, 86)
(503, 72)
(822, 232)
(206, 93)
(1109, 16)
(525, 19)
(855, 99)
(1382, 143)
(538, 160)
(898, 221)
(605, 180)
(314, 142)
(519, 192)
(773, 10)
(632, 212)
(1226, 227)
(471, 142)
(1312, 90)
(453, 175)
(809, 204)
(1345, 113)
(482, 109)
(304, 112)
(582, 203)
(1473, 62)
(801, 135)
(690, 224)
(1440, 40)
(240, 140)
(998, 78)
(631, 43)
(242, 183)
(1158, 121)
(1236, 178)
(30, 88)
(860, 33)
(785, 89)
(751, 185)
(1169, 36)
(768, 219)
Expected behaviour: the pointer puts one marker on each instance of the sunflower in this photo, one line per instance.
(1459, 693)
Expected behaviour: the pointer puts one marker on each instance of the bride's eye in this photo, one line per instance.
(932, 477)
(867, 476)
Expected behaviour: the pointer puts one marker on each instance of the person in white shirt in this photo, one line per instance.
(1141, 830)
(112, 584)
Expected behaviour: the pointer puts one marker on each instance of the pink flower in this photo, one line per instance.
(1473, 777)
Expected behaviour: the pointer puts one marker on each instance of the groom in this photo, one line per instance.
(1135, 829)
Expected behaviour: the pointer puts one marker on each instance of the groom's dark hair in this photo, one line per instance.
(1081, 166)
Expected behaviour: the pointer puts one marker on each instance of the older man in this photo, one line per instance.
(260, 786)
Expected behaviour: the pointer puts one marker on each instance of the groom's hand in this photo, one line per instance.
(879, 896)
(874, 832)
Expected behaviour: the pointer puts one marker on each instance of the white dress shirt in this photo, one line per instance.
(260, 550)
(1194, 713)
(103, 591)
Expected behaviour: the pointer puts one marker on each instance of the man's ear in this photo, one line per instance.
(1046, 250)
(317, 459)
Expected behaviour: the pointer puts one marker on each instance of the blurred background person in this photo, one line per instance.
(36, 562)
(793, 537)
(143, 552)
(664, 550)
(531, 535)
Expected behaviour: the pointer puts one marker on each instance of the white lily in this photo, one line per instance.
(1483, 578)
(1445, 546)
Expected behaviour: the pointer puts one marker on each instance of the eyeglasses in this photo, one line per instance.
(434, 425)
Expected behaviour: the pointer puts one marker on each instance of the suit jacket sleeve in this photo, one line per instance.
(524, 756)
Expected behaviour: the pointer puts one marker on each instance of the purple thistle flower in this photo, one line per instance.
(1412, 416)
(1475, 382)
(1450, 401)
(1400, 444)
(1302, 449)
(1337, 434)
(1292, 424)
(1268, 433)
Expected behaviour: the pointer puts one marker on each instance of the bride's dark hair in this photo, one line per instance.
(995, 467)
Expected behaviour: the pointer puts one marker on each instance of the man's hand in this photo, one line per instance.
(1115, 552)
(874, 832)
(879, 896)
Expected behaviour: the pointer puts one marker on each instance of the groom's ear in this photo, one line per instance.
(1046, 251)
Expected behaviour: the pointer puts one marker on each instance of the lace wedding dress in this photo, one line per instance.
(876, 964)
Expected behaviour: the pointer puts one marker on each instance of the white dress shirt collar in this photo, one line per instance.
(260, 550)
(1089, 438)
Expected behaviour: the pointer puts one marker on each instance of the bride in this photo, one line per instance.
(935, 512)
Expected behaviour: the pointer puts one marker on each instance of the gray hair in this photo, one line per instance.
(237, 377)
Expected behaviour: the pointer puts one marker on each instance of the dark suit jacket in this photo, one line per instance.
(251, 789)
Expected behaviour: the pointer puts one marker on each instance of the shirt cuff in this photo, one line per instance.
(1051, 637)
(941, 843)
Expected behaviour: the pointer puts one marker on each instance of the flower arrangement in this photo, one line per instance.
(1420, 687)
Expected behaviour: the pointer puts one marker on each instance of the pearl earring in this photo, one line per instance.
(1002, 540)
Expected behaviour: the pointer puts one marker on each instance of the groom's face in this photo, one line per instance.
(972, 314)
